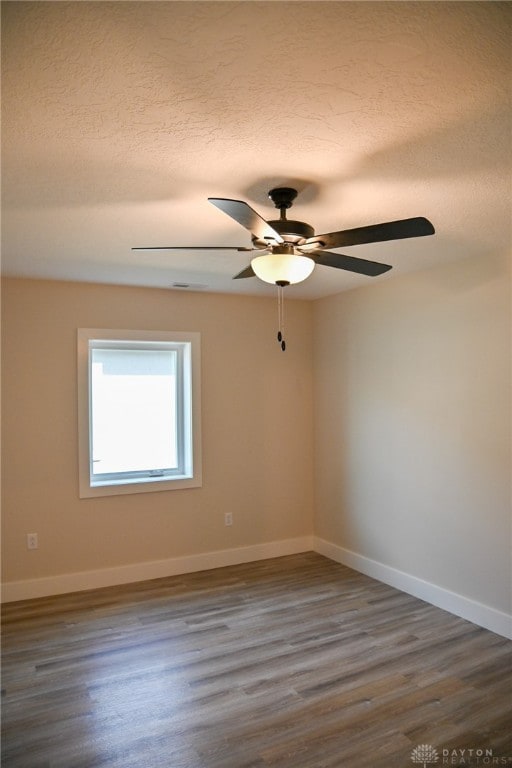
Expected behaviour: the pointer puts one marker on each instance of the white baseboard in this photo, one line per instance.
(478, 613)
(156, 569)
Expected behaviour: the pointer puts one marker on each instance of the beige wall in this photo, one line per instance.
(256, 428)
(413, 426)
(406, 427)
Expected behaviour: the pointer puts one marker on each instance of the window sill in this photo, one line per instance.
(148, 485)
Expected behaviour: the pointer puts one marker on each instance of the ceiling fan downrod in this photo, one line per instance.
(291, 231)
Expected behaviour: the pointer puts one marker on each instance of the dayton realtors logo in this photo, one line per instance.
(426, 754)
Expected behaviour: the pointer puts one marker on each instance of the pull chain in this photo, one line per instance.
(280, 316)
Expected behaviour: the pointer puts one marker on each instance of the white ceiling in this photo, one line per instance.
(121, 118)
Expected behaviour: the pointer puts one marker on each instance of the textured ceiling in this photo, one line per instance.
(120, 119)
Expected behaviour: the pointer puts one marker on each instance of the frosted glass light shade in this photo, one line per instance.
(282, 267)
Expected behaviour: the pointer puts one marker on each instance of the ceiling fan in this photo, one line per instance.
(289, 250)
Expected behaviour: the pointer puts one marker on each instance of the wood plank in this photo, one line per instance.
(296, 662)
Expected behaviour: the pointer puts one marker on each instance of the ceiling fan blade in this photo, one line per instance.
(243, 214)
(191, 248)
(247, 272)
(349, 263)
(375, 233)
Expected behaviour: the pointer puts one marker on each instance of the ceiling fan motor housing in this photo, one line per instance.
(291, 231)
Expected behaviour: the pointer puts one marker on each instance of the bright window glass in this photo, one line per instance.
(133, 410)
(139, 411)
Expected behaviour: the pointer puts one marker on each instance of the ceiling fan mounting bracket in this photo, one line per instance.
(283, 197)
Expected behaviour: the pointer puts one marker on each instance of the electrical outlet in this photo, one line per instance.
(32, 541)
(228, 518)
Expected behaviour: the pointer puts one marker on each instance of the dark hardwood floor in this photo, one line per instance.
(296, 662)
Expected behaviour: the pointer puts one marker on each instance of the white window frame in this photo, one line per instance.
(189, 475)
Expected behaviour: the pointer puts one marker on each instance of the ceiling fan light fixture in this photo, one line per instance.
(282, 268)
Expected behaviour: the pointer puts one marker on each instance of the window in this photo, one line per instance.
(139, 411)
